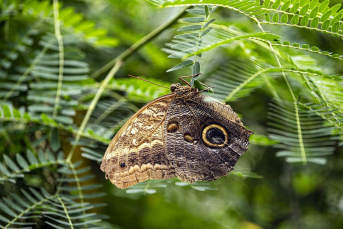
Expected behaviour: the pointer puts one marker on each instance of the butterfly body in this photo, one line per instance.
(183, 134)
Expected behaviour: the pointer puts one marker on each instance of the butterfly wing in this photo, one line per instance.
(209, 140)
(137, 152)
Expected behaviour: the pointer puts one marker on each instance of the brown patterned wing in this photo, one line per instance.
(209, 140)
(137, 152)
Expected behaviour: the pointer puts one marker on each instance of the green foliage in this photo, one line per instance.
(61, 104)
(302, 136)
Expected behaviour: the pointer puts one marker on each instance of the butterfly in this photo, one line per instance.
(183, 134)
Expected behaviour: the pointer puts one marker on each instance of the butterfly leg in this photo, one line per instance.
(181, 78)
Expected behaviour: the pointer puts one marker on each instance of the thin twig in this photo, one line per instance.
(61, 60)
(139, 44)
(92, 106)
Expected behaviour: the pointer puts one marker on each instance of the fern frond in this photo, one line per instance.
(306, 47)
(71, 22)
(58, 210)
(240, 78)
(190, 41)
(138, 90)
(21, 45)
(310, 15)
(302, 136)
(222, 35)
(48, 86)
(304, 14)
(15, 208)
(147, 187)
(334, 117)
(10, 114)
(10, 170)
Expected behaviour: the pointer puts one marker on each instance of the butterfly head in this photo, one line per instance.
(180, 89)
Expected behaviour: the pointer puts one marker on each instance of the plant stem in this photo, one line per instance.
(277, 60)
(123, 56)
(92, 106)
(61, 59)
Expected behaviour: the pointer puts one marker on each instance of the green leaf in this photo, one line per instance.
(297, 45)
(21, 161)
(206, 11)
(50, 155)
(3, 219)
(303, 2)
(259, 13)
(27, 117)
(267, 17)
(54, 140)
(60, 156)
(206, 31)
(36, 194)
(326, 16)
(41, 156)
(6, 209)
(303, 11)
(285, 6)
(337, 18)
(193, 19)
(295, 19)
(335, 27)
(304, 20)
(198, 85)
(305, 46)
(314, 12)
(284, 18)
(313, 4)
(16, 114)
(294, 8)
(45, 118)
(184, 64)
(4, 170)
(335, 8)
(11, 164)
(319, 161)
(315, 49)
(6, 112)
(197, 11)
(207, 24)
(276, 4)
(276, 17)
(315, 22)
(325, 25)
(323, 6)
(190, 28)
(196, 68)
(266, 3)
(31, 157)
(187, 36)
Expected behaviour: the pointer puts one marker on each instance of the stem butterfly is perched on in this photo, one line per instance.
(184, 134)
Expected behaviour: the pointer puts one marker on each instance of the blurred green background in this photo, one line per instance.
(264, 191)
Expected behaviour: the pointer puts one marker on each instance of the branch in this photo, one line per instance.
(128, 52)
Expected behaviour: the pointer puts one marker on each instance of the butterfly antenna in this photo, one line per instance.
(147, 81)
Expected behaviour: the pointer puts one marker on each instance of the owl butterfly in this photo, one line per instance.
(184, 134)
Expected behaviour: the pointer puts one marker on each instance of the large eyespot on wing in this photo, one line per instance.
(136, 153)
(215, 135)
(210, 111)
(209, 141)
